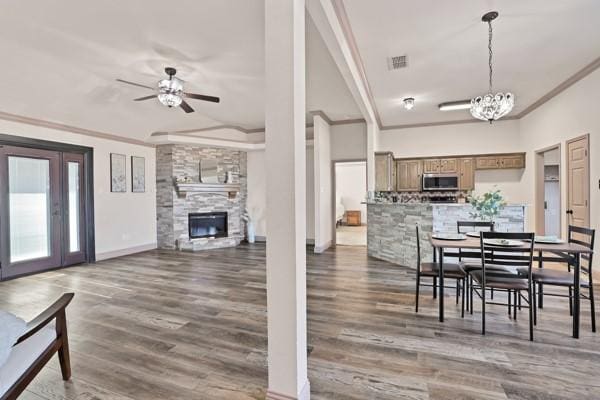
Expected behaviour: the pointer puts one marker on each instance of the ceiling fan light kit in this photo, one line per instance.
(409, 103)
(491, 107)
(170, 92)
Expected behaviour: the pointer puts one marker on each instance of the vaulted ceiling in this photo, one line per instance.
(61, 58)
(537, 45)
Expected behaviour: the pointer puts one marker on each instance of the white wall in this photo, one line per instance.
(124, 222)
(351, 186)
(310, 194)
(349, 142)
(257, 192)
(570, 114)
(323, 197)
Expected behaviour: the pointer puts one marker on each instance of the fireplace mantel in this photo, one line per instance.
(231, 188)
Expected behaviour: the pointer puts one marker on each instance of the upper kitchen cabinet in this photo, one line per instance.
(501, 161)
(385, 172)
(440, 166)
(409, 173)
(466, 179)
(448, 165)
(431, 166)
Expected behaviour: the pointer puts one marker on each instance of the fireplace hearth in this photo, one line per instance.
(207, 225)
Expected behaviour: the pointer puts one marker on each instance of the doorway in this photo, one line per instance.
(548, 191)
(350, 208)
(578, 181)
(44, 207)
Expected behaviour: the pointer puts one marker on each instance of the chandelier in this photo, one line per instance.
(490, 106)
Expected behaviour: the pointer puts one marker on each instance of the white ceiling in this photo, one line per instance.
(537, 45)
(61, 58)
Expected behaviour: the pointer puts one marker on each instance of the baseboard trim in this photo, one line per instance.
(303, 395)
(262, 239)
(320, 249)
(124, 252)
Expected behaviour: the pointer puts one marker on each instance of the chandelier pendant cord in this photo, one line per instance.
(491, 106)
(491, 53)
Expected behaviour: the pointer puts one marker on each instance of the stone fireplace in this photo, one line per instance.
(193, 216)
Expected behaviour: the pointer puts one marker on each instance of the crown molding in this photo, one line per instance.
(442, 123)
(213, 128)
(322, 114)
(69, 128)
(579, 75)
(340, 11)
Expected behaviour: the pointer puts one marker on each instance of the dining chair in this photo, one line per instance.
(431, 270)
(466, 227)
(565, 278)
(510, 277)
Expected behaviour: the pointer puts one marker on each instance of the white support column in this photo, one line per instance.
(286, 201)
(372, 147)
(323, 185)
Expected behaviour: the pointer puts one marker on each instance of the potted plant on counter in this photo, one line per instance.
(487, 206)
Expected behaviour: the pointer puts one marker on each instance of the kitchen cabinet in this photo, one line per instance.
(512, 162)
(385, 172)
(431, 166)
(409, 173)
(466, 179)
(440, 166)
(501, 161)
(449, 166)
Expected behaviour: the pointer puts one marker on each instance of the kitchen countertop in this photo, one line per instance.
(436, 204)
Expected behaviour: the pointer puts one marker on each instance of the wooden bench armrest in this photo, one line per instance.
(47, 316)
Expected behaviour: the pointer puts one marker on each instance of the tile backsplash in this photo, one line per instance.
(416, 197)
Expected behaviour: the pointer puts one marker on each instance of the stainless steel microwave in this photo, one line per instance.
(440, 182)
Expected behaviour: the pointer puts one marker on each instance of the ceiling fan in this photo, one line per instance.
(170, 92)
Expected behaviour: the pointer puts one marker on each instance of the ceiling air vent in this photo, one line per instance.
(397, 62)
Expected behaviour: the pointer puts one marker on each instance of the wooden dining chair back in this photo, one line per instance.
(431, 269)
(500, 264)
(586, 237)
(470, 255)
(472, 226)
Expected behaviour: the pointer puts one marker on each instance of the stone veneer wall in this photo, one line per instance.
(391, 233)
(178, 161)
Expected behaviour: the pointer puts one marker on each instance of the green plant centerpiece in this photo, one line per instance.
(487, 206)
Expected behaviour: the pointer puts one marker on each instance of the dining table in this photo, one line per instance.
(564, 252)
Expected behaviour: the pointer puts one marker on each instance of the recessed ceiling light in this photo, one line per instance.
(409, 103)
(455, 105)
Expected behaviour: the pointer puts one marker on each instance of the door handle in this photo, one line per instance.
(570, 212)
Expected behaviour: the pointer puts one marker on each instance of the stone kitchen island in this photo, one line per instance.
(391, 234)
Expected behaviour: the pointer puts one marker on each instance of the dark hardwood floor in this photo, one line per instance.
(170, 325)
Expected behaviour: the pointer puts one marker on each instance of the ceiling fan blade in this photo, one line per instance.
(186, 107)
(135, 84)
(202, 97)
(145, 98)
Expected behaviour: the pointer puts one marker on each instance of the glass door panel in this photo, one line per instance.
(74, 213)
(73, 194)
(29, 208)
(30, 216)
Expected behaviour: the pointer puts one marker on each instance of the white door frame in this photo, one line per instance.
(333, 191)
(540, 221)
